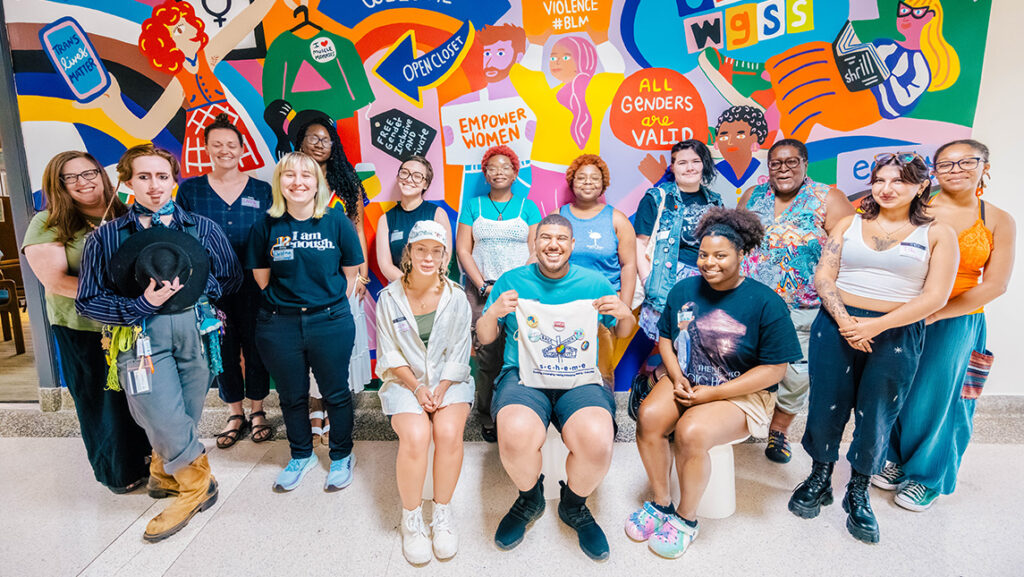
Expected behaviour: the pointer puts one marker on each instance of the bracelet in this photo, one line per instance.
(362, 279)
(417, 389)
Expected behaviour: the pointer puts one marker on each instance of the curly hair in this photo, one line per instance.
(341, 175)
(749, 115)
(801, 148)
(65, 219)
(593, 160)
(504, 151)
(742, 227)
(914, 172)
(155, 41)
(222, 122)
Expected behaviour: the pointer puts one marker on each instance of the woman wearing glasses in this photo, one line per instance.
(936, 422)
(797, 214)
(606, 241)
(316, 135)
(882, 273)
(394, 226)
(79, 197)
(495, 235)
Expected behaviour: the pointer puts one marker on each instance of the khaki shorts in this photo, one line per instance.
(758, 407)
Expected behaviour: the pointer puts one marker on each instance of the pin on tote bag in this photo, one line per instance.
(557, 344)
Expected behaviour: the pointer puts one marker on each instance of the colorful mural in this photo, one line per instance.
(550, 78)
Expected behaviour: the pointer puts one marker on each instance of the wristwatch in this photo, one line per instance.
(483, 289)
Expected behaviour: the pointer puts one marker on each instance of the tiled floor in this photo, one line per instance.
(57, 521)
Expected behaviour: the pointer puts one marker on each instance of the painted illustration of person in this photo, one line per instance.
(740, 132)
(493, 116)
(803, 87)
(174, 40)
(569, 114)
(716, 338)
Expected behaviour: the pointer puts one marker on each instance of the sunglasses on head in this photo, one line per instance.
(900, 157)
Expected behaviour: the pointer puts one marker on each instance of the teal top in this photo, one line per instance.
(484, 207)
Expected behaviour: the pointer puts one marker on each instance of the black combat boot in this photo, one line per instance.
(861, 521)
(815, 492)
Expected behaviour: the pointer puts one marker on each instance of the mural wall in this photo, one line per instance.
(550, 78)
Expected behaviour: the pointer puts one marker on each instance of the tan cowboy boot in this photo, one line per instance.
(197, 491)
(160, 483)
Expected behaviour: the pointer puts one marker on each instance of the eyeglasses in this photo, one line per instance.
(582, 178)
(916, 13)
(901, 158)
(969, 163)
(791, 163)
(314, 140)
(414, 177)
(88, 175)
(492, 170)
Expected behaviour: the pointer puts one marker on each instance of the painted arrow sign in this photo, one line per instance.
(410, 75)
(349, 13)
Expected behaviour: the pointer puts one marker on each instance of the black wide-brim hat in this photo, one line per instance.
(163, 254)
(302, 119)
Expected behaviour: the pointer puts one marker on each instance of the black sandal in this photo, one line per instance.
(233, 435)
(258, 429)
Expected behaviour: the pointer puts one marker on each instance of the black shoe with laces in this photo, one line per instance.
(814, 492)
(573, 511)
(860, 522)
(527, 509)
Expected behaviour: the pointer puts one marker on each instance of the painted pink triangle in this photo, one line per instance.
(309, 80)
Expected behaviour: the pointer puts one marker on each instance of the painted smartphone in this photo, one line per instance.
(73, 57)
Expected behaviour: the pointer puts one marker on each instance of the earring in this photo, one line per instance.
(981, 186)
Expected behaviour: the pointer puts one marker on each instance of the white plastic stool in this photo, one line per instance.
(719, 500)
(428, 482)
(553, 455)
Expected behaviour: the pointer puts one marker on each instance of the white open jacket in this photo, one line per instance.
(446, 357)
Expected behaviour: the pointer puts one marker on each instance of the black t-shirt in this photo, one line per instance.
(727, 333)
(692, 205)
(305, 258)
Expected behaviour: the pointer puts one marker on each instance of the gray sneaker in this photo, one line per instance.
(890, 478)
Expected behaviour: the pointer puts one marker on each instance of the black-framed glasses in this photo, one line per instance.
(916, 13)
(313, 140)
(414, 177)
(900, 157)
(969, 163)
(89, 175)
(791, 163)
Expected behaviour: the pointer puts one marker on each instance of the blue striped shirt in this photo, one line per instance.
(195, 195)
(96, 297)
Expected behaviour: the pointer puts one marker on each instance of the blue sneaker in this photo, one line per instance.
(292, 474)
(340, 475)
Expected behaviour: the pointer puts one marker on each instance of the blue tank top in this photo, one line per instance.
(597, 246)
(400, 223)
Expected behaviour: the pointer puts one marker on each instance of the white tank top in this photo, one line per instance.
(894, 275)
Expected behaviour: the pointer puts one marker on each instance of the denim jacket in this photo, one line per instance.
(665, 261)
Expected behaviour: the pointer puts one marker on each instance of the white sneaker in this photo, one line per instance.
(446, 542)
(415, 540)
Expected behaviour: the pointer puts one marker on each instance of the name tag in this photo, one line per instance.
(282, 254)
(401, 324)
(663, 234)
(913, 250)
(397, 235)
(250, 202)
(138, 379)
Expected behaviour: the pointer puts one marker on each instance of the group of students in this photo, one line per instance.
(793, 300)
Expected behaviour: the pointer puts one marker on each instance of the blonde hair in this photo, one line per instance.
(941, 57)
(406, 265)
(305, 162)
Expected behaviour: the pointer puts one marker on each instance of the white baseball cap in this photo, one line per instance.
(428, 230)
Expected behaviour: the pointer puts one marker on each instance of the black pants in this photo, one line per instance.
(240, 339)
(116, 446)
(291, 345)
(872, 385)
(489, 359)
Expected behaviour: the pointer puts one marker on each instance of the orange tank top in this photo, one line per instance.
(976, 244)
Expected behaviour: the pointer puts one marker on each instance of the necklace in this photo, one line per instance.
(889, 234)
(500, 212)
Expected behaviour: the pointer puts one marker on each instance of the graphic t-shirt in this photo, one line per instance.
(692, 207)
(305, 258)
(719, 335)
(579, 284)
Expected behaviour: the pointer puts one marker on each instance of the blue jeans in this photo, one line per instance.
(293, 343)
(873, 385)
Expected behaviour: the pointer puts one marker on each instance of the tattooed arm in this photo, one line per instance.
(825, 280)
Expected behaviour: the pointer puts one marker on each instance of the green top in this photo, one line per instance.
(61, 309)
(424, 324)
